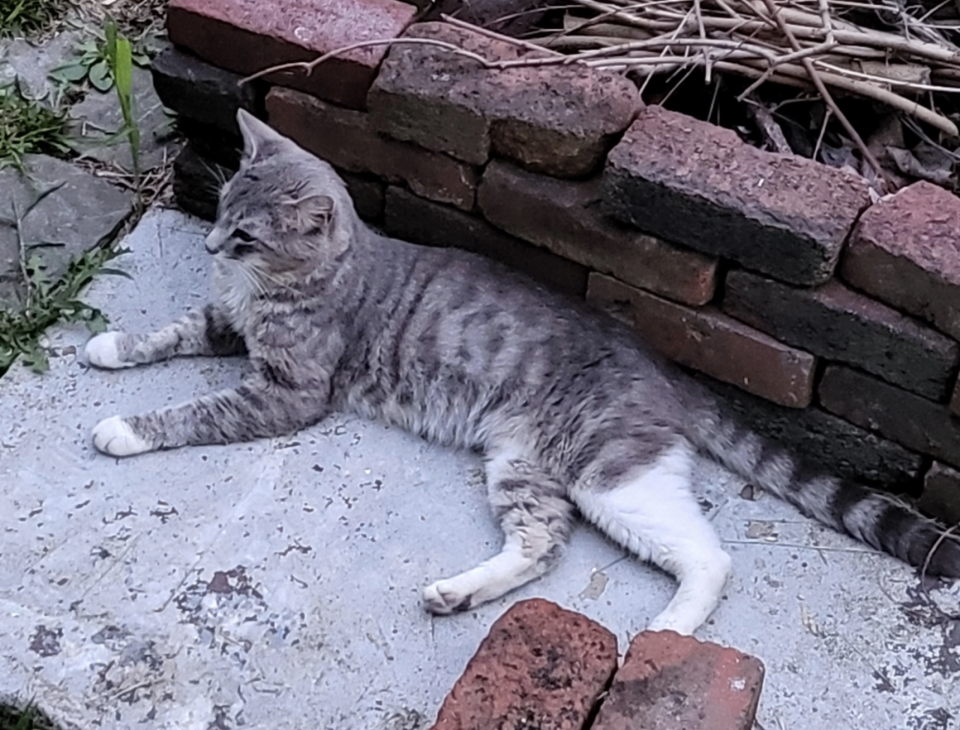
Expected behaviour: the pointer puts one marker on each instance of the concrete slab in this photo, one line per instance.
(276, 584)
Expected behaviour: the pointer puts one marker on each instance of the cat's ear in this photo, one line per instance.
(256, 135)
(314, 214)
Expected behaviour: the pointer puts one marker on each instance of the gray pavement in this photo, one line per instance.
(276, 584)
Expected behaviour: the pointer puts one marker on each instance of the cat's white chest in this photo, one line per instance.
(236, 291)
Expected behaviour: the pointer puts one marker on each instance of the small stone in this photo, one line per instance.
(673, 682)
(540, 666)
(96, 122)
(30, 65)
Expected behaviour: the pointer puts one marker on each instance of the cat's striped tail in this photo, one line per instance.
(877, 519)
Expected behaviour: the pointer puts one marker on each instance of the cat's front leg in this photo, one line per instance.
(204, 331)
(259, 408)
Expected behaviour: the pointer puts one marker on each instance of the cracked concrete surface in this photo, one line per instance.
(276, 583)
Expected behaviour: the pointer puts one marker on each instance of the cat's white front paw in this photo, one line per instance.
(115, 437)
(102, 351)
(445, 597)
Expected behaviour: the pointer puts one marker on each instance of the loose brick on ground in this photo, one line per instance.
(247, 36)
(417, 220)
(908, 419)
(201, 92)
(837, 323)
(906, 252)
(563, 216)
(715, 344)
(345, 139)
(559, 120)
(540, 666)
(673, 682)
(941, 494)
(698, 185)
(823, 439)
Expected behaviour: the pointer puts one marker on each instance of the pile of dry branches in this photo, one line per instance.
(803, 43)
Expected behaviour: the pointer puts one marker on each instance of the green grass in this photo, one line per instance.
(24, 717)
(27, 127)
(19, 17)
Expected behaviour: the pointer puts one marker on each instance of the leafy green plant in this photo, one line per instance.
(95, 61)
(27, 127)
(120, 59)
(25, 717)
(46, 301)
(28, 16)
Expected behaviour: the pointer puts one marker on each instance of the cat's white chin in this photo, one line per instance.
(102, 351)
(115, 437)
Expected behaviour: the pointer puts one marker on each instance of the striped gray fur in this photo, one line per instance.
(566, 407)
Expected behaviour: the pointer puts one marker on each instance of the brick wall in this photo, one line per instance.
(835, 320)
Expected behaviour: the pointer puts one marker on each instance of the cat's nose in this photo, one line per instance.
(214, 240)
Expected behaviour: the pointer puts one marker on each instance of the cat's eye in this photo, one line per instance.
(243, 236)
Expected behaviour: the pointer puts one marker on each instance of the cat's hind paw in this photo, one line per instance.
(443, 598)
(114, 436)
(103, 351)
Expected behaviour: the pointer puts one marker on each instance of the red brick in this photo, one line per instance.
(673, 682)
(247, 36)
(420, 221)
(559, 120)
(840, 324)
(562, 216)
(345, 138)
(540, 667)
(711, 342)
(906, 252)
(908, 419)
(698, 185)
(941, 494)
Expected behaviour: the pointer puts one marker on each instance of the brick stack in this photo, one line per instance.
(829, 322)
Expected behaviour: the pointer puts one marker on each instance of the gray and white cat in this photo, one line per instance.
(567, 409)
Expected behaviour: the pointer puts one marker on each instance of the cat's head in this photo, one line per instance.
(285, 211)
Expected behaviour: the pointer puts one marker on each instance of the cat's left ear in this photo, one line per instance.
(257, 135)
(315, 214)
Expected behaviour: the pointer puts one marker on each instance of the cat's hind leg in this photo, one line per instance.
(200, 332)
(536, 518)
(653, 513)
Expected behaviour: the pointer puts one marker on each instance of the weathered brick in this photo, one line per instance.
(906, 252)
(420, 221)
(201, 92)
(367, 193)
(346, 139)
(673, 682)
(559, 120)
(562, 216)
(696, 184)
(247, 36)
(915, 422)
(837, 323)
(836, 445)
(720, 346)
(196, 183)
(941, 494)
(197, 178)
(540, 666)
